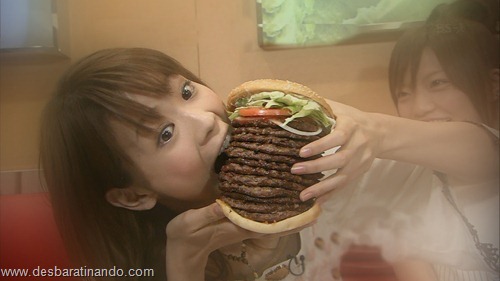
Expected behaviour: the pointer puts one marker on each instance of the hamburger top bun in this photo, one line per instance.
(262, 85)
(270, 228)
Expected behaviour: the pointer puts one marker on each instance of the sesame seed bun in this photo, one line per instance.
(250, 88)
(290, 223)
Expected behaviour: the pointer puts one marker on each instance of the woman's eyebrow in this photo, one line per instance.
(156, 125)
(432, 73)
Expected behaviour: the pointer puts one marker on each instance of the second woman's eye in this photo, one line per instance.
(437, 83)
(402, 94)
(187, 90)
(166, 134)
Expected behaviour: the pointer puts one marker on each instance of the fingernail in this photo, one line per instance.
(306, 196)
(305, 152)
(298, 169)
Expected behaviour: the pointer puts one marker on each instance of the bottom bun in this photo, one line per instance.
(274, 227)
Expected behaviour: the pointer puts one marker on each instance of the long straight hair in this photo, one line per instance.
(466, 50)
(81, 159)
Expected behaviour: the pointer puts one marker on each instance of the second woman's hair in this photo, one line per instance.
(466, 50)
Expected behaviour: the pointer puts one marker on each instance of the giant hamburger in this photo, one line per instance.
(271, 120)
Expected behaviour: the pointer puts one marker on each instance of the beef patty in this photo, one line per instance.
(255, 179)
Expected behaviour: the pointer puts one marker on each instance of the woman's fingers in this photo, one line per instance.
(353, 168)
(323, 187)
(330, 162)
(193, 220)
(328, 142)
(358, 147)
(339, 136)
(201, 231)
(208, 221)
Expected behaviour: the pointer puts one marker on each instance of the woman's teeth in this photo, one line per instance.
(222, 157)
(225, 144)
(440, 120)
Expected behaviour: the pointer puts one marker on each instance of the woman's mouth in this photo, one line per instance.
(437, 120)
(440, 120)
(222, 157)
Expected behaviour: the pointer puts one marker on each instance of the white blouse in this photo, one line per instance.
(402, 209)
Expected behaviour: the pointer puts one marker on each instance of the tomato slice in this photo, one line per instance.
(259, 111)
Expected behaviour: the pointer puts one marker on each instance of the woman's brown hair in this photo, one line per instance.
(81, 159)
(467, 51)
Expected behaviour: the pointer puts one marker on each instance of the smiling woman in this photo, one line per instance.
(447, 65)
(437, 220)
(433, 97)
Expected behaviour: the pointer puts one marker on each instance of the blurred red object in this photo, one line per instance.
(364, 263)
(29, 238)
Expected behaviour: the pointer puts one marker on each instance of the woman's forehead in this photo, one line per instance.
(429, 61)
(426, 65)
(131, 138)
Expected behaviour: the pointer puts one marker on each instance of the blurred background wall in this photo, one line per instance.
(216, 41)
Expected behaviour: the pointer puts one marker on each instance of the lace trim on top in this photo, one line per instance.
(489, 253)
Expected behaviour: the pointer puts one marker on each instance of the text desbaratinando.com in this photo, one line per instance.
(77, 272)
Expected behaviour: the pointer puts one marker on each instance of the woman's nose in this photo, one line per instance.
(423, 105)
(204, 125)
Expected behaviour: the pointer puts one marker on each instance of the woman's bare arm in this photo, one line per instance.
(464, 151)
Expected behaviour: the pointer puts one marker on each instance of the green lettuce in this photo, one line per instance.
(299, 107)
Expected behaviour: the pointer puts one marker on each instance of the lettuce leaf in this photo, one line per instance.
(299, 107)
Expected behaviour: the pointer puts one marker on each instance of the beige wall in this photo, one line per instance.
(229, 55)
(219, 42)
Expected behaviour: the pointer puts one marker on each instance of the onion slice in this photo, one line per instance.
(295, 131)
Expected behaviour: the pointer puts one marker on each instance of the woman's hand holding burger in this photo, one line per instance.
(194, 234)
(271, 120)
(358, 137)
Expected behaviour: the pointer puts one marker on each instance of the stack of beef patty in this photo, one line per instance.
(255, 180)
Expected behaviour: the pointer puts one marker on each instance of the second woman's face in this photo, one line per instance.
(434, 97)
(178, 162)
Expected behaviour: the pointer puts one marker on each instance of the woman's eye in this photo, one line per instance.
(438, 83)
(166, 134)
(403, 94)
(187, 90)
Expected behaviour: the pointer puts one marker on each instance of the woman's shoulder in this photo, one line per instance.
(492, 131)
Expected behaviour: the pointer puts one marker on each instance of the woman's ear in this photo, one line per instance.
(130, 198)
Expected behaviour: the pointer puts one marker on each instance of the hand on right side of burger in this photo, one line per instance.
(355, 142)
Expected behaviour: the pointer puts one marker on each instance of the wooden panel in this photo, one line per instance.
(218, 42)
(26, 86)
(10, 182)
(30, 181)
(229, 55)
(168, 26)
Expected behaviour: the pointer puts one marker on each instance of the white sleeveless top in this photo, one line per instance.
(402, 209)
